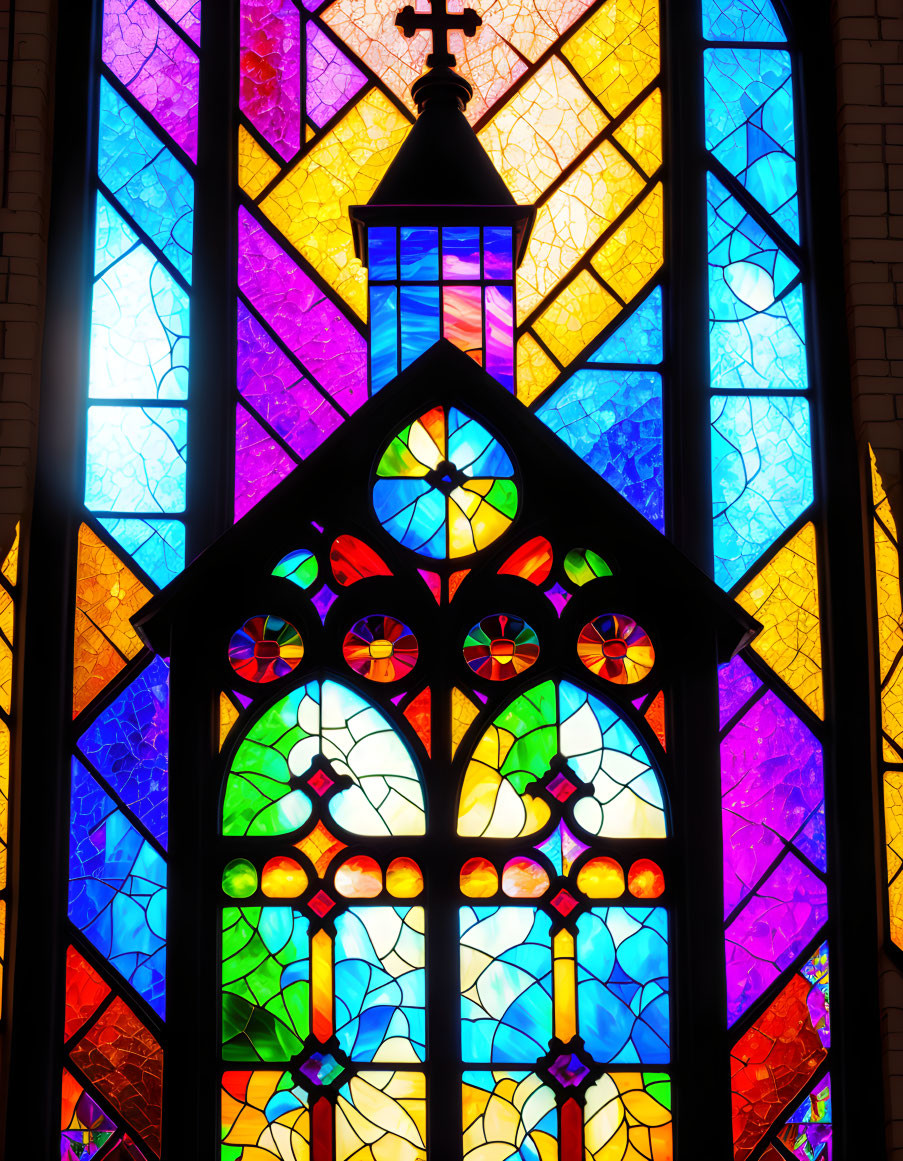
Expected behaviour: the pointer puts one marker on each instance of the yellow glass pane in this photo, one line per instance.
(321, 1000)
(321, 847)
(893, 820)
(404, 878)
(622, 1120)
(10, 566)
(892, 708)
(385, 1118)
(783, 597)
(2, 947)
(310, 205)
(256, 169)
(572, 220)
(889, 607)
(636, 249)
(7, 615)
(641, 133)
(107, 592)
(473, 520)
(463, 713)
(617, 51)
(490, 806)
(535, 370)
(95, 663)
(228, 716)
(309, 133)
(895, 910)
(6, 675)
(542, 128)
(564, 980)
(4, 802)
(576, 316)
(494, 1121)
(247, 1124)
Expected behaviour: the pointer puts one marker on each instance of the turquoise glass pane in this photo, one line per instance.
(419, 321)
(146, 179)
(136, 459)
(461, 252)
(639, 339)
(112, 236)
(749, 125)
(117, 888)
(380, 983)
(158, 546)
(382, 252)
(383, 335)
(139, 331)
(506, 984)
(419, 252)
(741, 20)
(473, 450)
(613, 421)
(497, 252)
(761, 476)
(622, 984)
(757, 329)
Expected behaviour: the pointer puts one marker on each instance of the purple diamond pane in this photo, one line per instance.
(568, 1070)
(323, 601)
(321, 1068)
(559, 597)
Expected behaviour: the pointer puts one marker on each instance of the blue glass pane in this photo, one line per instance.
(761, 476)
(112, 237)
(497, 252)
(749, 125)
(117, 888)
(129, 745)
(639, 339)
(413, 512)
(419, 252)
(613, 421)
(158, 546)
(139, 331)
(506, 984)
(136, 459)
(461, 252)
(383, 335)
(740, 20)
(622, 984)
(473, 450)
(135, 165)
(382, 252)
(757, 330)
(419, 321)
(380, 984)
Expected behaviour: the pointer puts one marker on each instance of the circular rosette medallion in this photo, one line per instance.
(445, 486)
(265, 648)
(500, 647)
(616, 648)
(380, 648)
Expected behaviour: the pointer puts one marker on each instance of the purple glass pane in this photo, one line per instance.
(187, 14)
(568, 1069)
(559, 597)
(129, 745)
(260, 463)
(270, 68)
(323, 601)
(500, 334)
(772, 785)
(807, 1131)
(812, 840)
(242, 697)
(156, 66)
(736, 685)
(771, 931)
(332, 80)
(274, 387)
(312, 328)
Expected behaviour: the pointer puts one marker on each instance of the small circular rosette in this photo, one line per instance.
(265, 648)
(616, 648)
(380, 648)
(500, 647)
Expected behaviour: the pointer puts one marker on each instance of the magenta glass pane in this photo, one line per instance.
(771, 931)
(187, 14)
(270, 70)
(736, 685)
(332, 80)
(260, 463)
(772, 784)
(314, 330)
(156, 65)
(274, 387)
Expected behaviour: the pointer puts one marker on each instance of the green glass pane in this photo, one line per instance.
(239, 879)
(583, 565)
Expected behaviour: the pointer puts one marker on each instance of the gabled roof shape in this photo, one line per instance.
(334, 485)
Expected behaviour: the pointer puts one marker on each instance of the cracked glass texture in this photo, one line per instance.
(741, 20)
(638, 339)
(761, 476)
(256, 169)
(260, 462)
(270, 72)
(156, 546)
(136, 459)
(332, 79)
(617, 51)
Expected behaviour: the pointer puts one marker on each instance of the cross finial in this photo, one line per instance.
(439, 21)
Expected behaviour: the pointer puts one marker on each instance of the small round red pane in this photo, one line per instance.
(616, 648)
(265, 648)
(500, 647)
(645, 879)
(380, 648)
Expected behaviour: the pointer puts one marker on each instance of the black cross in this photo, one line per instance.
(439, 21)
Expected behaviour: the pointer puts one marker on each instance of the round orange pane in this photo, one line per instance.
(283, 878)
(380, 648)
(601, 878)
(616, 648)
(524, 878)
(359, 878)
(646, 879)
(479, 879)
(404, 879)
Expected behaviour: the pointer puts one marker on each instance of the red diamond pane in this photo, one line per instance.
(564, 902)
(321, 904)
(561, 787)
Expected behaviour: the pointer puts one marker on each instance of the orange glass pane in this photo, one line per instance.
(283, 878)
(524, 878)
(352, 560)
(321, 847)
(655, 716)
(419, 714)
(601, 878)
(404, 878)
(359, 877)
(462, 319)
(321, 986)
(454, 581)
(532, 561)
(645, 879)
(479, 879)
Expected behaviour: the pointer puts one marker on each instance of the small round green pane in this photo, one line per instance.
(239, 879)
(583, 565)
(299, 566)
